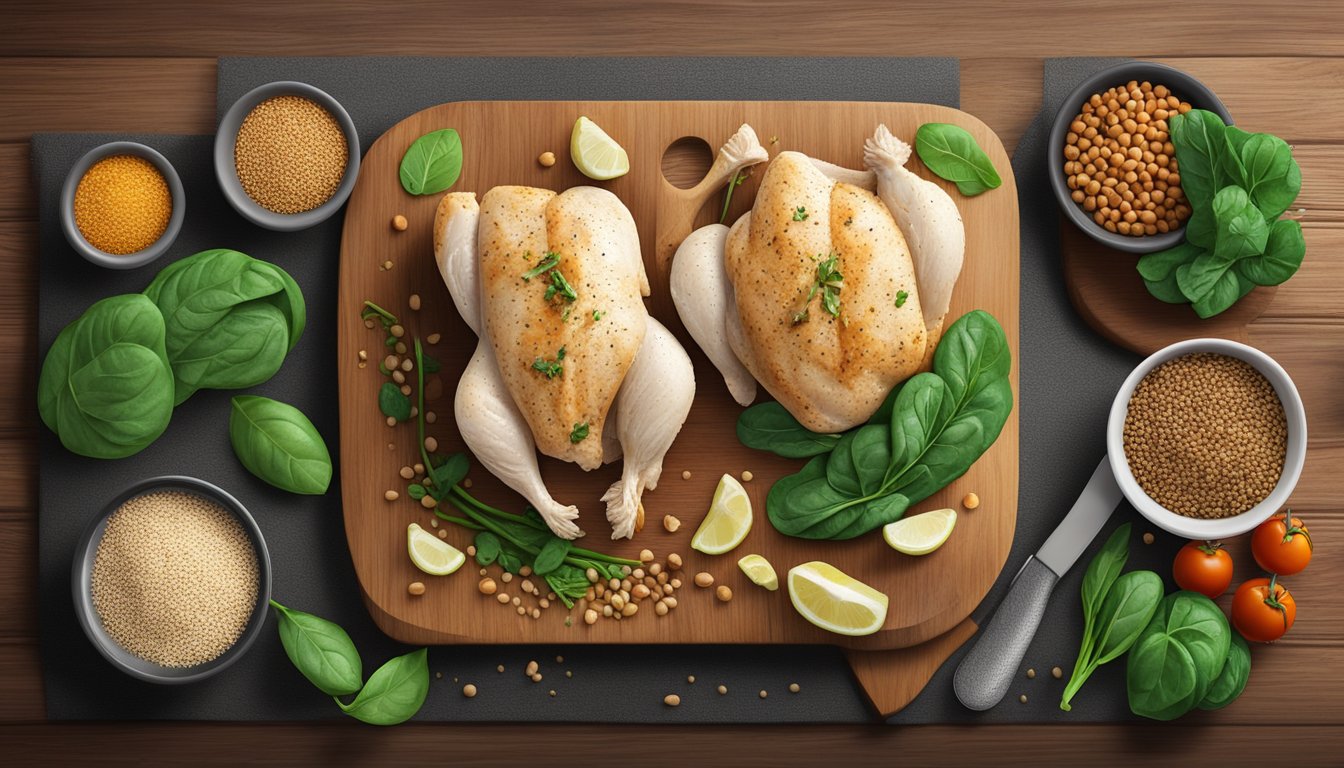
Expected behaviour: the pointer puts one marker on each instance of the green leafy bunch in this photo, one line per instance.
(1238, 185)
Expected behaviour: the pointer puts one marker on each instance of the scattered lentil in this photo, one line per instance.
(469, 691)
(970, 501)
(1205, 435)
(546, 159)
(414, 302)
(416, 588)
(763, 694)
(1022, 698)
(500, 669)
(723, 689)
(1148, 537)
(432, 338)
(174, 578)
(672, 700)
(391, 495)
(399, 223)
(1031, 674)
(122, 204)
(794, 688)
(487, 586)
(290, 154)
(723, 593)
(704, 579)
(685, 474)
(1057, 673)
(671, 523)
(1120, 163)
(747, 476)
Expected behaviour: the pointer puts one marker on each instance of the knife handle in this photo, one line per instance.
(984, 675)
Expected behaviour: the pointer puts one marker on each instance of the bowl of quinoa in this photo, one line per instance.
(286, 155)
(1207, 438)
(172, 580)
(122, 205)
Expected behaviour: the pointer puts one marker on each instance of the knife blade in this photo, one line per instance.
(985, 673)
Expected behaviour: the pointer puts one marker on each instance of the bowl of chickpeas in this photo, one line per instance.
(1111, 161)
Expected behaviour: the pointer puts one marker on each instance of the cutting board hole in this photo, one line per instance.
(686, 161)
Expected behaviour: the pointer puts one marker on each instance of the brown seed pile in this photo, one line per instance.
(122, 204)
(1205, 435)
(175, 578)
(290, 154)
(1120, 163)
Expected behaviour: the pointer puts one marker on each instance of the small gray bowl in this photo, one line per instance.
(1182, 85)
(227, 134)
(140, 257)
(87, 614)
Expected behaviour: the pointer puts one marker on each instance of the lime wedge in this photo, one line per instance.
(920, 534)
(760, 571)
(728, 521)
(596, 154)
(432, 554)
(835, 601)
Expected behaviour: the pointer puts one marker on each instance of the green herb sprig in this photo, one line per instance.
(829, 282)
(800, 214)
(733, 184)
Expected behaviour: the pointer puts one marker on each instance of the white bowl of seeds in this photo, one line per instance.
(1207, 438)
(172, 580)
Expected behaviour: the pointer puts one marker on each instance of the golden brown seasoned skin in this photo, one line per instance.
(830, 373)
(597, 246)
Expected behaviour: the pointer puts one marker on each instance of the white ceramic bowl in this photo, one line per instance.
(1226, 527)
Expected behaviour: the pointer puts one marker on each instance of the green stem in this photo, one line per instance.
(733, 184)
(388, 316)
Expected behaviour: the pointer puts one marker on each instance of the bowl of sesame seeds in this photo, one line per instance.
(1207, 438)
(122, 205)
(286, 155)
(172, 580)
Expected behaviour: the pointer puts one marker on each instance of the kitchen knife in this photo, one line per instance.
(984, 675)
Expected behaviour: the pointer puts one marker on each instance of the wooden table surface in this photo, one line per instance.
(79, 66)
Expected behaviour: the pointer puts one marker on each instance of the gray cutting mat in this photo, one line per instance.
(1068, 377)
(312, 569)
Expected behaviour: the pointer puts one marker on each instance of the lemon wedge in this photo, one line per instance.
(920, 534)
(760, 571)
(728, 521)
(432, 554)
(596, 154)
(835, 601)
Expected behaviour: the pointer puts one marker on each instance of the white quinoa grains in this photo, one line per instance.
(1205, 435)
(175, 578)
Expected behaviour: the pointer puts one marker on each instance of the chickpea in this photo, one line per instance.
(546, 159)
(399, 223)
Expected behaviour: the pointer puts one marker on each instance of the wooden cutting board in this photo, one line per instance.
(671, 145)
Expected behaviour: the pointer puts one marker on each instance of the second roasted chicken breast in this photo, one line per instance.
(828, 314)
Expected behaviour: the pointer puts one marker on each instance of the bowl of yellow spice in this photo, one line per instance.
(286, 155)
(122, 205)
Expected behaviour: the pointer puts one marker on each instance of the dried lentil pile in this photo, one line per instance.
(290, 154)
(175, 578)
(1205, 435)
(122, 204)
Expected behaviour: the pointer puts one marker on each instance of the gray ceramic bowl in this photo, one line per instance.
(227, 133)
(81, 579)
(141, 257)
(1182, 85)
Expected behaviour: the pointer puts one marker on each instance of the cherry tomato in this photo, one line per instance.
(1282, 545)
(1203, 567)
(1262, 610)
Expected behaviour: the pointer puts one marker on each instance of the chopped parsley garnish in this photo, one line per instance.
(550, 368)
(546, 264)
(901, 296)
(800, 214)
(578, 433)
(560, 287)
(829, 282)
(597, 315)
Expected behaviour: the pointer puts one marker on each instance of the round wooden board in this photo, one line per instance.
(929, 595)
(1106, 290)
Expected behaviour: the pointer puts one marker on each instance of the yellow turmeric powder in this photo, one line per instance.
(122, 204)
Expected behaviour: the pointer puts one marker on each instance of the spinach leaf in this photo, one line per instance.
(229, 320)
(432, 163)
(447, 474)
(770, 427)
(106, 388)
(393, 403)
(1227, 291)
(1112, 626)
(1200, 143)
(1232, 680)
(395, 691)
(1202, 228)
(321, 650)
(569, 583)
(1273, 178)
(1242, 230)
(1102, 572)
(278, 444)
(941, 422)
(487, 547)
(1284, 251)
(951, 152)
(1177, 657)
(551, 556)
(1158, 271)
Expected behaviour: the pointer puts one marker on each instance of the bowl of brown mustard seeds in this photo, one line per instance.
(286, 155)
(172, 580)
(1207, 438)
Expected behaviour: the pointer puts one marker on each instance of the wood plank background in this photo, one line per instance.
(85, 66)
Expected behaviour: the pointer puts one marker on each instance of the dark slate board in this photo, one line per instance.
(312, 569)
